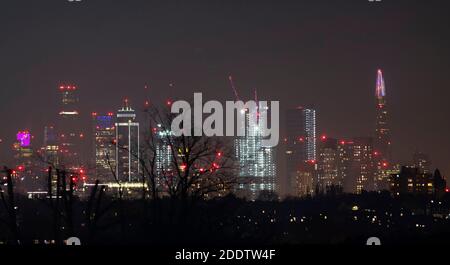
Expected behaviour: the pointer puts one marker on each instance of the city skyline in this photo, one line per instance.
(110, 69)
(224, 131)
(352, 163)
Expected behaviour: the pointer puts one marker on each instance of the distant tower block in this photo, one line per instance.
(69, 131)
(103, 145)
(127, 145)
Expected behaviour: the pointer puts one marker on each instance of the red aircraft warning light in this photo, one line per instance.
(67, 88)
(215, 166)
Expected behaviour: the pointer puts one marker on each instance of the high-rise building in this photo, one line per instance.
(356, 165)
(382, 133)
(50, 148)
(328, 164)
(300, 141)
(304, 181)
(382, 141)
(104, 132)
(310, 133)
(70, 133)
(127, 145)
(295, 147)
(362, 170)
(24, 161)
(49, 155)
(345, 160)
(31, 162)
(23, 150)
(164, 157)
(257, 168)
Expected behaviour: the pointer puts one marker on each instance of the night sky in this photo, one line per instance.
(314, 53)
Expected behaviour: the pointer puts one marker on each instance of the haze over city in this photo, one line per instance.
(325, 53)
(324, 122)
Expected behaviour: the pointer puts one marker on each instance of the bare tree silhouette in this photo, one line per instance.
(190, 166)
(10, 205)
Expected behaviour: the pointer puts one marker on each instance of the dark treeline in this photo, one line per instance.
(326, 219)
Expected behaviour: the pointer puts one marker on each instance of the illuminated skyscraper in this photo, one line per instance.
(104, 149)
(300, 141)
(50, 148)
(25, 162)
(70, 133)
(256, 161)
(127, 145)
(164, 158)
(310, 133)
(23, 150)
(382, 139)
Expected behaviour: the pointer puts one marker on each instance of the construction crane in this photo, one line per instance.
(256, 97)
(236, 95)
